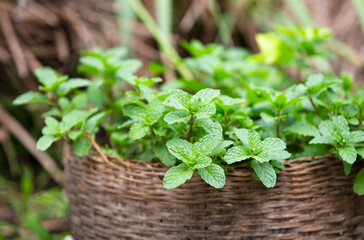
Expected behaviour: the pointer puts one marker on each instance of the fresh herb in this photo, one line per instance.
(241, 109)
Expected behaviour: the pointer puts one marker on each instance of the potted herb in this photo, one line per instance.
(239, 120)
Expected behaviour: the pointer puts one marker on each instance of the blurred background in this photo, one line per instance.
(35, 33)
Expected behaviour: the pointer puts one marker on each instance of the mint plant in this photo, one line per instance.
(240, 109)
(263, 155)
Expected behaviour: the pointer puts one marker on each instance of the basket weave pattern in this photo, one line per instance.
(312, 200)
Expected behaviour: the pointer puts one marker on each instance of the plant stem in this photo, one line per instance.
(226, 122)
(277, 123)
(360, 113)
(151, 130)
(191, 127)
(313, 104)
(96, 146)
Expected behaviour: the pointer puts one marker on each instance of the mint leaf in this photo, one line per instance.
(237, 154)
(93, 122)
(213, 175)
(178, 100)
(242, 134)
(204, 97)
(226, 102)
(134, 111)
(147, 92)
(201, 162)
(138, 130)
(360, 151)
(347, 154)
(49, 78)
(162, 153)
(322, 140)
(265, 172)
(205, 145)
(213, 128)
(31, 97)
(263, 156)
(220, 149)
(71, 84)
(341, 127)
(359, 183)
(254, 142)
(181, 149)
(177, 175)
(81, 147)
(46, 141)
(356, 137)
(153, 112)
(73, 118)
(273, 144)
(304, 129)
(347, 168)
(205, 111)
(176, 116)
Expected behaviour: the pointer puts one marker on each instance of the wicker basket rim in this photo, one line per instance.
(117, 162)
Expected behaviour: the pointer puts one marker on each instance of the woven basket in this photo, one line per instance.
(312, 200)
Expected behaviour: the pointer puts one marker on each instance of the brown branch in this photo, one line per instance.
(96, 146)
(48, 163)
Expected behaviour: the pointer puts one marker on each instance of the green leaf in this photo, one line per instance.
(205, 145)
(341, 127)
(93, 122)
(91, 65)
(211, 127)
(279, 155)
(304, 129)
(96, 93)
(181, 149)
(31, 97)
(273, 144)
(356, 137)
(201, 162)
(138, 130)
(347, 154)
(237, 154)
(205, 111)
(134, 111)
(242, 134)
(360, 151)
(148, 93)
(265, 172)
(82, 146)
(73, 135)
(326, 127)
(178, 100)
(254, 142)
(46, 141)
(177, 175)
(162, 153)
(46, 76)
(359, 183)
(73, 118)
(226, 102)
(347, 168)
(262, 156)
(153, 112)
(221, 147)
(71, 84)
(177, 116)
(213, 175)
(322, 140)
(204, 97)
